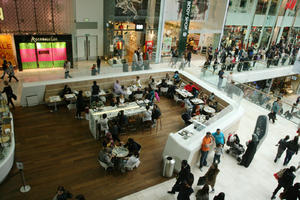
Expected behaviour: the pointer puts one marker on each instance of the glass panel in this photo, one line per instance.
(28, 55)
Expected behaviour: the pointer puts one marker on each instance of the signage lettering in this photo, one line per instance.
(44, 39)
(1, 14)
(185, 23)
(5, 46)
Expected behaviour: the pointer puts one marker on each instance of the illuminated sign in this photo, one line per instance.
(1, 14)
(139, 27)
(44, 39)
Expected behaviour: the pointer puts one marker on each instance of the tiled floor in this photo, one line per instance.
(253, 183)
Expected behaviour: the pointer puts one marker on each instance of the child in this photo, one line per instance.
(218, 153)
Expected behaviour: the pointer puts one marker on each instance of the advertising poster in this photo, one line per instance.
(166, 45)
(7, 49)
(199, 10)
(131, 8)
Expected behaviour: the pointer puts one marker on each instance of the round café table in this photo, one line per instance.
(120, 152)
(209, 109)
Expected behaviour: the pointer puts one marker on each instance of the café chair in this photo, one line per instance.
(135, 165)
(164, 90)
(102, 164)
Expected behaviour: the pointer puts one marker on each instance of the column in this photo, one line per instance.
(264, 24)
(252, 15)
(277, 12)
(287, 11)
(224, 21)
(160, 32)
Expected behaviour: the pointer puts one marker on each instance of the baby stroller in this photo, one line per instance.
(235, 148)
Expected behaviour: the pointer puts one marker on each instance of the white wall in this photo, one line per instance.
(92, 10)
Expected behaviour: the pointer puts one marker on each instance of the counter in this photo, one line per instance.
(182, 148)
(7, 162)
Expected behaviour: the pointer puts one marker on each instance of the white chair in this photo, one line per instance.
(135, 165)
(138, 96)
(104, 165)
(176, 98)
(164, 90)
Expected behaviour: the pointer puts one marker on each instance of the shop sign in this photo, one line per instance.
(185, 23)
(1, 14)
(7, 48)
(44, 39)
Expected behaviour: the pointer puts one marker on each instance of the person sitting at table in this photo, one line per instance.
(79, 105)
(150, 94)
(132, 146)
(147, 115)
(138, 91)
(195, 92)
(152, 84)
(108, 140)
(189, 87)
(197, 110)
(104, 123)
(66, 90)
(214, 105)
(114, 101)
(163, 84)
(95, 91)
(188, 106)
(149, 80)
(122, 120)
(138, 82)
(167, 77)
(121, 99)
(156, 113)
(176, 77)
(118, 88)
(211, 97)
(205, 99)
(106, 156)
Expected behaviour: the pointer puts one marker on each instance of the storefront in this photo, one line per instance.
(43, 51)
(7, 49)
(130, 26)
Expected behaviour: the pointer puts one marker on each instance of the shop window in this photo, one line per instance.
(243, 3)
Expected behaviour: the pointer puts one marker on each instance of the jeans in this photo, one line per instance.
(288, 157)
(220, 83)
(217, 158)
(203, 158)
(67, 75)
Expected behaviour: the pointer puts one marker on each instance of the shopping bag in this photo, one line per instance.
(279, 174)
(157, 97)
(202, 180)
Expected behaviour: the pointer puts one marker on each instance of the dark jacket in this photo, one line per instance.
(80, 103)
(292, 193)
(287, 179)
(183, 174)
(292, 146)
(8, 91)
(282, 144)
(95, 90)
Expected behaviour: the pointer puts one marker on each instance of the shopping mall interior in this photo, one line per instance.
(149, 99)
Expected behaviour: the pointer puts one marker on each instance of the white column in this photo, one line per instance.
(277, 13)
(252, 15)
(160, 32)
(287, 11)
(224, 21)
(264, 24)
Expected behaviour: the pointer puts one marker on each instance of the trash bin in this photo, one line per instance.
(125, 65)
(169, 164)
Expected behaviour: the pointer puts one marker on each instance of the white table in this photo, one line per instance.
(209, 109)
(182, 92)
(197, 101)
(120, 152)
(130, 109)
(55, 100)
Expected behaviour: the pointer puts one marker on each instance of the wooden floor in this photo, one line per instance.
(57, 149)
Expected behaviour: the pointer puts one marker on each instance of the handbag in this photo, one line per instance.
(202, 180)
(14, 96)
(279, 174)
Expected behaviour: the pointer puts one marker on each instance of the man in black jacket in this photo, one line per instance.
(182, 177)
(285, 181)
